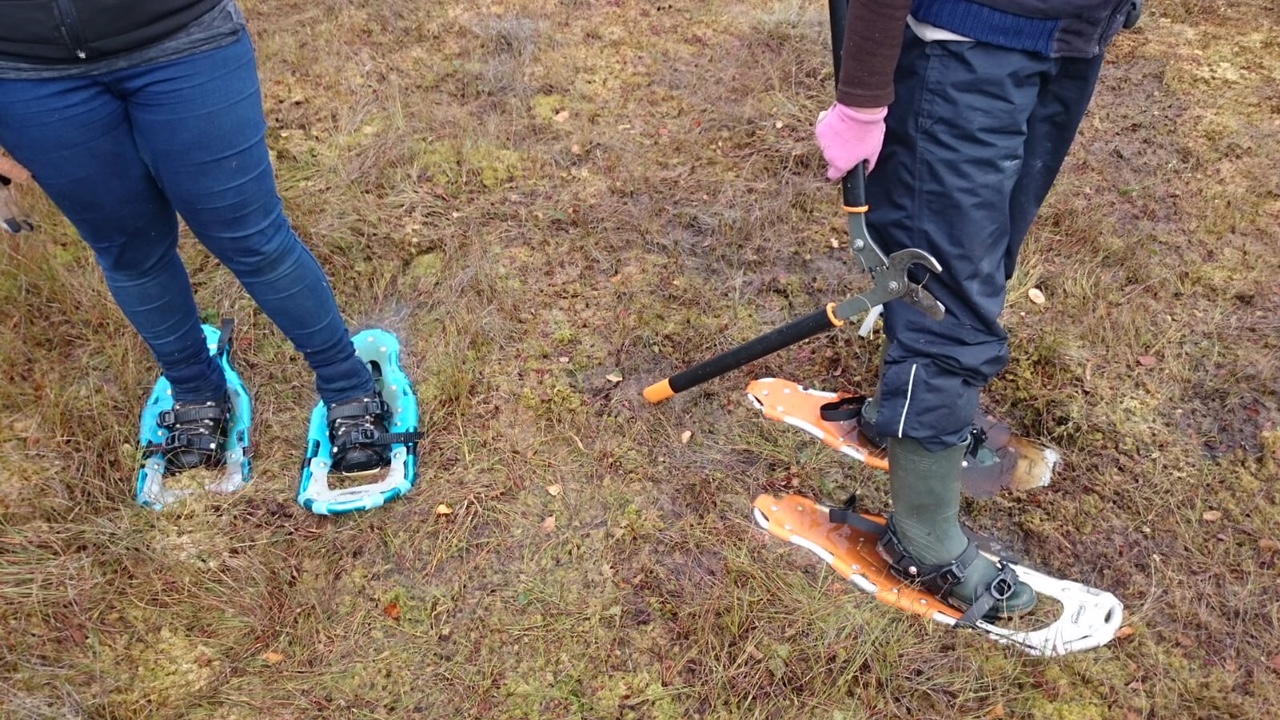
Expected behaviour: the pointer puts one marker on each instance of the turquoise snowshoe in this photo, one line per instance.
(158, 415)
(380, 350)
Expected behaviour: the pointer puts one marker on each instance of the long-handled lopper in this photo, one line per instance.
(888, 274)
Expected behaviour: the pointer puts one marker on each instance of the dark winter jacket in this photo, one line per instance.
(63, 31)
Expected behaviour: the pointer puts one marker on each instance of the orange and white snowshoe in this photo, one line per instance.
(998, 459)
(1090, 617)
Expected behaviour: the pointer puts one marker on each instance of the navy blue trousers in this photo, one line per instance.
(975, 138)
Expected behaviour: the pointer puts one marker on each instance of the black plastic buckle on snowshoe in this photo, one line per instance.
(1001, 588)
(1004, 585)
(356, 436)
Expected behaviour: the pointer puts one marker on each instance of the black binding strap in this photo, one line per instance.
(192, 441)
(847, 514)
(169, 418)
(977, 438)
(942, 579)
(842, 410)
(204, 442)
(370, 436)
(362, 408)
(937, 579)
(225, 331)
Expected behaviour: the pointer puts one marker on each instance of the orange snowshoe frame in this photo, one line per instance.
(1090, 618)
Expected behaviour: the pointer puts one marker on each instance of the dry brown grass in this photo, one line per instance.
(537, 194)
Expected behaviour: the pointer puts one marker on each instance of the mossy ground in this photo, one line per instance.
(537, 196)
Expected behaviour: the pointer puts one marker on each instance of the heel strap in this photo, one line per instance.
(842, 410)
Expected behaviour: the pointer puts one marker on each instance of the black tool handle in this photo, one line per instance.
(853, 185)
(814, 323)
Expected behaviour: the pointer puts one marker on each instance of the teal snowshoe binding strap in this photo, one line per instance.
(380, 350)
(153, 435)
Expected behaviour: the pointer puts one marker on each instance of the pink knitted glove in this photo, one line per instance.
(847, 137)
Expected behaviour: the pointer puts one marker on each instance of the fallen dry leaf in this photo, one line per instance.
(1036, 296)
(561, 116)
(1124, 632)
(549, 524)
(685, 436)
(553, 489)
(272, 657)
(1211, 516)
(1268, 545)
(443, 509)
(392, 610)
(1147, 360)
(614, 377)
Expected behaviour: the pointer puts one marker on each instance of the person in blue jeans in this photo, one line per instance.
(965, 110)
(129, 115)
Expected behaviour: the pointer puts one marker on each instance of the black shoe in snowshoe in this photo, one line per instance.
(358, 433)
(197, 432)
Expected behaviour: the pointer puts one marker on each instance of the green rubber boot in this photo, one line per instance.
(925, 533)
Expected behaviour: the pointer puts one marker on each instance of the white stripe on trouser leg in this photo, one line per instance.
(911, 382)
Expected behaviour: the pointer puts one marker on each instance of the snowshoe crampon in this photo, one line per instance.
(380, 350)
(151, 491)
(1090, 617)
(998, 460)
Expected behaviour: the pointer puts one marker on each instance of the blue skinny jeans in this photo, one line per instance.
(123, 154)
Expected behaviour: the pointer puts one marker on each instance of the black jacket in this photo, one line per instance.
(68, 31)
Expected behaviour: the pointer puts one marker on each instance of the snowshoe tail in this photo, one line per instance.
(1090, 618)
(1000, 460)
(380, 349)
(150, 490)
